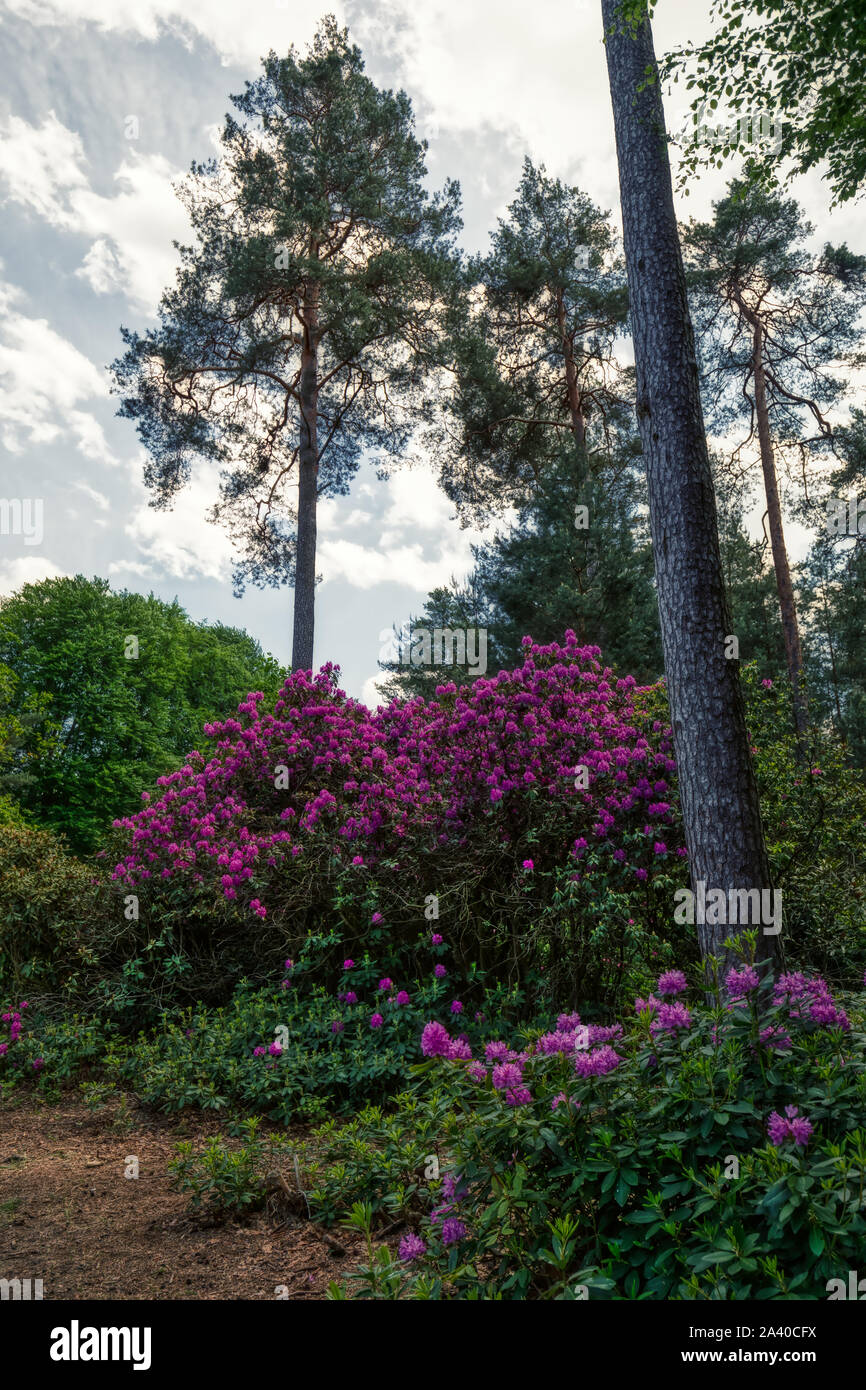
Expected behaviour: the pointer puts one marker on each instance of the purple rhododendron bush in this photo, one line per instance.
(533, 809)
(686, 1151)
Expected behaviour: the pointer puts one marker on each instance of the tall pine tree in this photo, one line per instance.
(305, 318)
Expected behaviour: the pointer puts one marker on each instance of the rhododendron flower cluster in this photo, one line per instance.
(740, 983)
(792, 1125)
(323, 768)
(809, 999)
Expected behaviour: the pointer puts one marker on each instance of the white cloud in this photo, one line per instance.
(102, 267)
(98, 497)
(365, 566)
(43, 381)
(370, 693)
(239, 33)
(44, 169)
(28, 569)
(180, 542)
(414, 541)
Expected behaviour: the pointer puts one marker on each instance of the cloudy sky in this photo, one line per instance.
(104, 103)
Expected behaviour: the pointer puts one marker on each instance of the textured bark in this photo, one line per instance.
(717, 784)
(784, 586)
(575, 404)
(308, 487)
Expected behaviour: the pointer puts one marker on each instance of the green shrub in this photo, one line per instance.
(658, 1179)
(50, 907)
(220, 1180)
(301, 1051)
(815, 826)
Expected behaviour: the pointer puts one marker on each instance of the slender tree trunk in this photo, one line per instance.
(718, 791)
(784, 586)
(308, 485)
(828, 634)
(575, 405)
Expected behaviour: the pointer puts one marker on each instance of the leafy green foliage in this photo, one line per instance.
(813, 817)
(50, 907)
(654, 1181)
(222, 1180)
(803, 63)
(122, 719)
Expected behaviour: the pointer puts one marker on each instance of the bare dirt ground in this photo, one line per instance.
(69, 1216)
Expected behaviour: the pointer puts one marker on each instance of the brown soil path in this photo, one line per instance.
(69, 1216)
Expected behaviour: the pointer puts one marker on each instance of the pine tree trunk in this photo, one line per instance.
(784, 586)
(575, 404)
(308, 484)
(828, 634)
(718, 791)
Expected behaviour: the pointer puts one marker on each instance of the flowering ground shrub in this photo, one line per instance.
(301, 1049)
(16, 1046)
(686, 1152)
(532, 810)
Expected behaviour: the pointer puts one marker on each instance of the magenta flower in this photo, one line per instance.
(385, 985)
(452, 1231)
(348, 964)
(376, 919)
(791, 1125)
(506, 1075)
(376, 1021)
(402, 997)
(776, 1038)
(597, 1063)
(456, 1007)
(435, 1040)
(673, 982)
(440, 972)
(739, 983)
(671, 1017)
(337, 1026)
(436, 939)
(528, 864)
(411, 1248)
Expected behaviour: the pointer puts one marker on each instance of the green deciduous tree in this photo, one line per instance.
(800, 65)
(129, 683)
